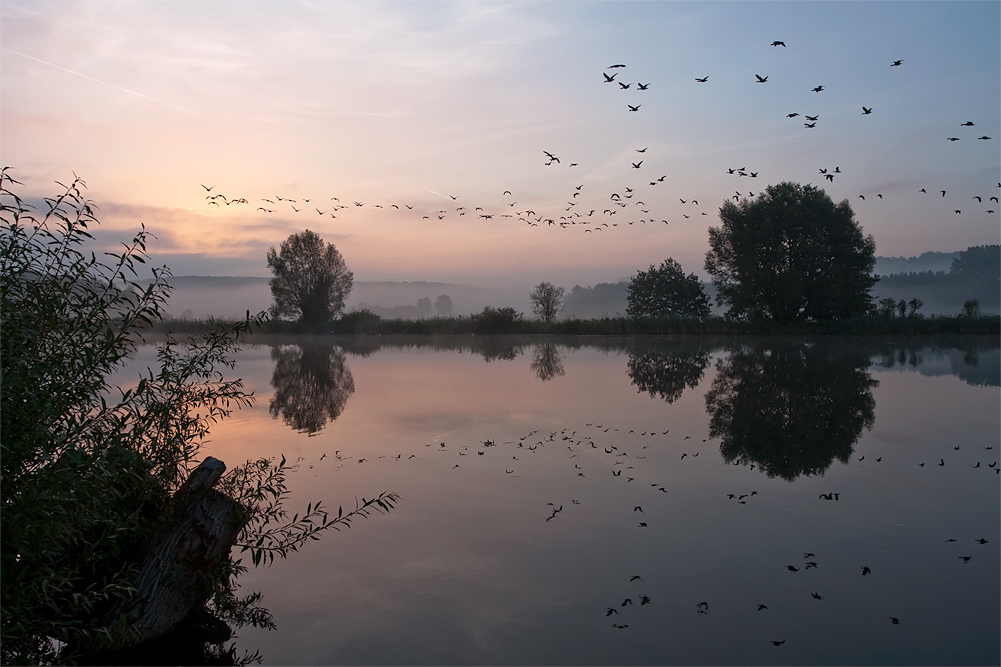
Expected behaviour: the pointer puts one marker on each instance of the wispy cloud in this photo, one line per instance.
(102, 82)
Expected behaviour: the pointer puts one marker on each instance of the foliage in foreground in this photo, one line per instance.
(88, 469)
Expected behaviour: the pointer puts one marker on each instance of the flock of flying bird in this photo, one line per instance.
(620, 207)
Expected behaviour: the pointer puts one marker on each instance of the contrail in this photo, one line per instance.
(438, 193)
(85, 76)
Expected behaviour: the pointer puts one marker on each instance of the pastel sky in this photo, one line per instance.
(442, 105)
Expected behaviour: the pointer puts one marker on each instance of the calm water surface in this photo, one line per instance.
(633, 501)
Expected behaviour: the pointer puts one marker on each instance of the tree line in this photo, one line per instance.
(790, 255)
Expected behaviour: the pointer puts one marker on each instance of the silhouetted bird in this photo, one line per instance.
(866, 111)
(611, 610)
(865, 570)
(816, 597)
(894, 620)
(792, 568)
(762, 607)
(817, 89)
(760, 79)
(778, 643)
(965, 559)
(634, 108)
(702, 80)
(778, 43)
(896, 63)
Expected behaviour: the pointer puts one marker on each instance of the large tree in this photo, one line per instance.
(547, 301)
(665, 291)
(791, 254)
(311, 279)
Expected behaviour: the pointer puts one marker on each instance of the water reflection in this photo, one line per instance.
(312, 384)
(791, 408)
(547, 362)
(666, 372)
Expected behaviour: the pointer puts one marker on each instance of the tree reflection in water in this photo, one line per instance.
(666, 372)
(547, 361)
(312, 384)
(791, 408)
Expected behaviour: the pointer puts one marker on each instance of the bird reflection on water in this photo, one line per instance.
(776, 410)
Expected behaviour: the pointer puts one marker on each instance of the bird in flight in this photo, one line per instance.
(809, 124)
(817, 89)
(812, 118)
(636, 165)
(207, 188)
(778, 43)
(624, 86)
(642, 86)
(609, 79)
(896, 63)
(761, 79)
(968, 123)
(702, 80)
(552, 158)
(866, 112)
(791, 115)
(634, 108)
(614, 66)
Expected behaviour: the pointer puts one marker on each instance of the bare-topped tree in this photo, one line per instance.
(547, 301)
(311, 279)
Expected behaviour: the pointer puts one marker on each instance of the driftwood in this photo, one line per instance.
(181, 560)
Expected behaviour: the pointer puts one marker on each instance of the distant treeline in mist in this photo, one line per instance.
(973, 274)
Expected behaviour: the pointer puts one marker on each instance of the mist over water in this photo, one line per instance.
(632, 500)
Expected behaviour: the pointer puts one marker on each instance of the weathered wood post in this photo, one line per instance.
(180, 561)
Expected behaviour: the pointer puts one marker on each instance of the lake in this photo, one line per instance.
(662, 500)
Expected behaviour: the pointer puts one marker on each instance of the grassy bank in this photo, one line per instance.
(367, 323)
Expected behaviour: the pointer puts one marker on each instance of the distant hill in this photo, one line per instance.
(928, 261)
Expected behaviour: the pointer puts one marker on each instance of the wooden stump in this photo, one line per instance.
(181, 560)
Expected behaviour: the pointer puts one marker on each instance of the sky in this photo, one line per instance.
(417, 115)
